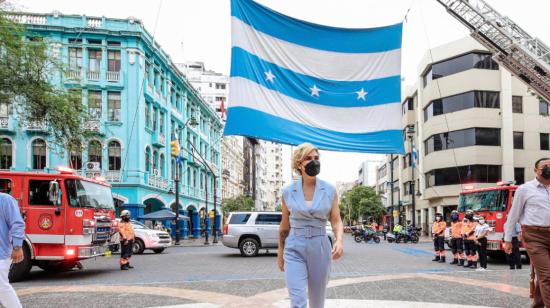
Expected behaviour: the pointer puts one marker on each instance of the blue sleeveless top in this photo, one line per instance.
(315, 215)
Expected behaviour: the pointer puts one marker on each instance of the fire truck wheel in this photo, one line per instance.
(20, 270)
(138, 247)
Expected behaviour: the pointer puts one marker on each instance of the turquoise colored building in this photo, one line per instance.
(137, 101)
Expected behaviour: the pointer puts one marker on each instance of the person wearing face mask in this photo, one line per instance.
(304, 253)
(531, 208)
(126, 231)
(481, 231)
(457, 244)
(438, 231)
(468, 233)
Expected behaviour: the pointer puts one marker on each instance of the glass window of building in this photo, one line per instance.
(517, 104)
(75, 58)
(94, 152)
(94, 105)
(463, 174)
(146, 71)
(5, 109)
(161, 122)
(113, 102)
(161, 165)
(544, 145)
(459, 64)
(407, 188)
(462, 138)
(408, 105)
(115, 152)
(113, 63)
(543, 107)
(94, 60)
(155, 118)
(147, 114)
(148, 159)
(6, 154)
(472, 99)
(518, 140)
(155, 162)
(75, 157)
(38, 154)
(519, 175)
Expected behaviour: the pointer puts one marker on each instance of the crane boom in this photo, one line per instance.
(525, 56)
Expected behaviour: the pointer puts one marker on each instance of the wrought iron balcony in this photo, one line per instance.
(28, 19)
(113, 176)
(4, 122)
(92, 125)
(92, 75)
(36, 125)
(94, 22)
(158, 181)
(74, 74)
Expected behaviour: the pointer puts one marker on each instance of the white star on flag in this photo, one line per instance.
(361, 94)
(269, 76)
(315, 91)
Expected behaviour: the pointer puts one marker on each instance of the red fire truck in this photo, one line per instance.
(67, 218)
(493, 203)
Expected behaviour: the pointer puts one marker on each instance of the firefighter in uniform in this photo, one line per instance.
(457, 244)
(438, 231)
(468, 233)
(126, 231)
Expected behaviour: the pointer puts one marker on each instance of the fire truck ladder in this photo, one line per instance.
(525, 56)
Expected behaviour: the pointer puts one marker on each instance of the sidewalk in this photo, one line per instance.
(197, 242)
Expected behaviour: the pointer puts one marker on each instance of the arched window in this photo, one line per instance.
(147, 159)
(94, 152)
(38, 154)
(75, 155)
(189, 176)
(155, 161)
(114, 155)
(6, 152)
(161, 167)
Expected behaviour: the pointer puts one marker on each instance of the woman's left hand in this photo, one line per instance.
(337, 250)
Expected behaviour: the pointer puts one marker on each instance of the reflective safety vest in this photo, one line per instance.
(456, 229)
(438, 228)
(397, 228)
(469, 229)
(126, 230)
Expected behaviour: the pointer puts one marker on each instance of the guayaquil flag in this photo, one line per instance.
(294, 81)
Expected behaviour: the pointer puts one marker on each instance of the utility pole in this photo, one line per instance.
(413, 190)
(391, 192)
(206, 215)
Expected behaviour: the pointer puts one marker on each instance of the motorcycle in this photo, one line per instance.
(411, 234)
(366, 236)
(390, 237)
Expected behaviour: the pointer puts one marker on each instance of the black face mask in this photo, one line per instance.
(126, 219)
(470, 217)
(545, 172)
(313, 168)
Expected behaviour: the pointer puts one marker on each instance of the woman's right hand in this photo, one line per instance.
(281, 260)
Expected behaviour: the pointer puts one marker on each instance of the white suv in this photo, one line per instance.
(252, 231)
(146, 238)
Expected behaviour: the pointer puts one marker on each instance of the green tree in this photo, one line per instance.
(240, 203)
(361, 201)
(30, 78)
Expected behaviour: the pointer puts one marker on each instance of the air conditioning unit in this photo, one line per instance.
(93, 166)
(156, 172)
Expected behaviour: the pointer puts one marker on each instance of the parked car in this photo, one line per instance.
(251, 232)
(146, 238)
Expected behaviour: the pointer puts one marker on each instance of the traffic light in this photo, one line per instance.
(175, 148)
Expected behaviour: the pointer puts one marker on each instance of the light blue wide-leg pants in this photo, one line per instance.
(307, 269)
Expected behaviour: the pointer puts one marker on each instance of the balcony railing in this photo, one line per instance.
(93, 22)
(4, 121)
(36, 125)
(93, 76)
(28, 19)
(113, 176)
(74, 74)
(158, 181)
(113, 76)
(92, 125)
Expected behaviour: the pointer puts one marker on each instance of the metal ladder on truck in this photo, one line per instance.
(525, 56)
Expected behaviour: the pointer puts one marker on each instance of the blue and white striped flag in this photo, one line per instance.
(293, 81)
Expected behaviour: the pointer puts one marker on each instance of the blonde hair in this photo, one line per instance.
(300, 153)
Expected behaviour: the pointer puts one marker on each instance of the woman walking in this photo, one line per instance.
(304, 249)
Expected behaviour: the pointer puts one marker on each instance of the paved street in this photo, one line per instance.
(369, 275)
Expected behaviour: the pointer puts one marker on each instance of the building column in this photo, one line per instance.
(431, 217)
(506, 134)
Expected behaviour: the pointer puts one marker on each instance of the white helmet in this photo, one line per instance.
(125, 213)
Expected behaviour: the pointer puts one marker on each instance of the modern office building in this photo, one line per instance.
(274, 168)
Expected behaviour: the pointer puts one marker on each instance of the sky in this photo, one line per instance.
(199, 30)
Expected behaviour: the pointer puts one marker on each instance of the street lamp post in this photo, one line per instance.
(191, 121)
(410, 132)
